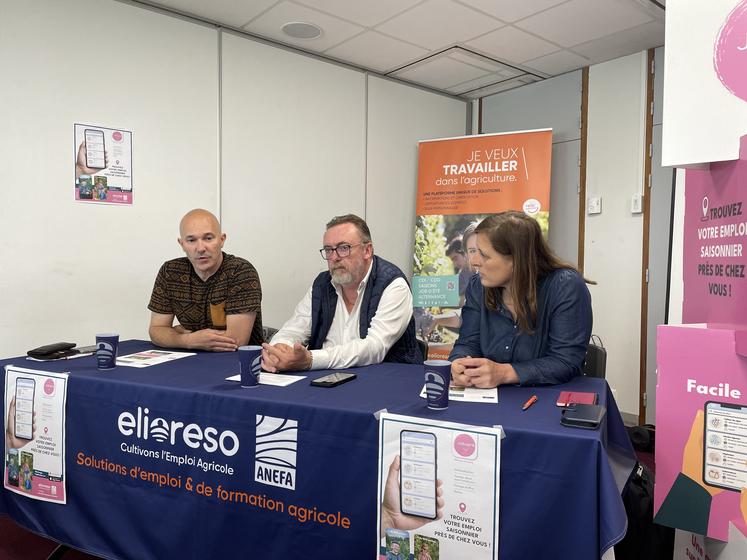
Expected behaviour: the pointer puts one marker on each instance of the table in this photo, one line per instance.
(560, 487)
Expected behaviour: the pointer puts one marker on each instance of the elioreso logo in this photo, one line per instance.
(141, 426)
(276, 450)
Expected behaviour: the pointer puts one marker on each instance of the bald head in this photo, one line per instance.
(199, 215)
(202, 241)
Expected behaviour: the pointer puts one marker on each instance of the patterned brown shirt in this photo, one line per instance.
(198, 304)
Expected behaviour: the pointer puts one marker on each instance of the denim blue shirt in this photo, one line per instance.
(553, 353)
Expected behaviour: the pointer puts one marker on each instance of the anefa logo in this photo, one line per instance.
(275, 455)
(141, 426)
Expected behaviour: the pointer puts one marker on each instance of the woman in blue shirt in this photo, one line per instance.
(527, 316)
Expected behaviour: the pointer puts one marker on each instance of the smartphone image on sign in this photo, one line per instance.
(95, 149)
(417, 473)
(334, 379)
(725, 445)
(24, 419)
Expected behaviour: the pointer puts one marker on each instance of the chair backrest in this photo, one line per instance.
(268, 333)
(423, 345)
(595, 363)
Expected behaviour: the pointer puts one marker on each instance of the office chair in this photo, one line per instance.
(268, 333)
(423, 345)
(595, 363)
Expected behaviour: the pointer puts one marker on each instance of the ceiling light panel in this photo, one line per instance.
(476, 59)
(490, 90)
(478, 83)
(271, 22)
(302, 30)
(440, 72)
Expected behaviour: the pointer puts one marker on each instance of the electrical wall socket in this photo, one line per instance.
(636, 203)
(594, 205)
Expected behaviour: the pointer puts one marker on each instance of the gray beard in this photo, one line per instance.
(342, 277)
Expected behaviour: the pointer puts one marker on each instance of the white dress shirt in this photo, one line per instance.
(343, 346)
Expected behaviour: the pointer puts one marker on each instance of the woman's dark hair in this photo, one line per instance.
(516, 235)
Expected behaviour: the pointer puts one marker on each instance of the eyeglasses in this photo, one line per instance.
(342, 250)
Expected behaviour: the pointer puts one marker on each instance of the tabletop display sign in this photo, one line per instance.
(35, 433)
(103, 164)
(715, 289)
(705, 106)
(462, 181)
(690, 546)
(701, 424)
(438, 490)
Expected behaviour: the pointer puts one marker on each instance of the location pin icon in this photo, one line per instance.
(46, 429)
(704, 205)
(462, 507)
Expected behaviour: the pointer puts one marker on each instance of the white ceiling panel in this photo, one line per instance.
(579, 21)
(335, 30)
(468, 57)
(478, 83)
(512, 45)
(625, 42)
(229, 12)
(557, 63)
(511, 10)
(376, 51)
(438, 23)
(367, 12)
(441, 73)
(510, 73)
(490, 90)
(549, 37)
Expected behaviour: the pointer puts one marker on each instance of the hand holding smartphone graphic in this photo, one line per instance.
(391, 513)
(692, 455)
(92, 155)
(724, 445)
(12, 439)
(698, 453)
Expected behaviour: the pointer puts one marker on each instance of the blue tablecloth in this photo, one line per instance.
(560, 487)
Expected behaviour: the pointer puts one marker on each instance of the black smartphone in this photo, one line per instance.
(579, 415)
(725, 445)
(24, 420)
(95, 157)
(334, 379)
(417, 478)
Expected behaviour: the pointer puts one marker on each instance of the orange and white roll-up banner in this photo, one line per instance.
(461, 181)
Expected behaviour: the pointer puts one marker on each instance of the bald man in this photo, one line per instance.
(215, 297)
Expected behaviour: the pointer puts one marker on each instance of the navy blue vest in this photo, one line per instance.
(324, 302)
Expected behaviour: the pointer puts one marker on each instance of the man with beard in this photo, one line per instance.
(357, 313)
